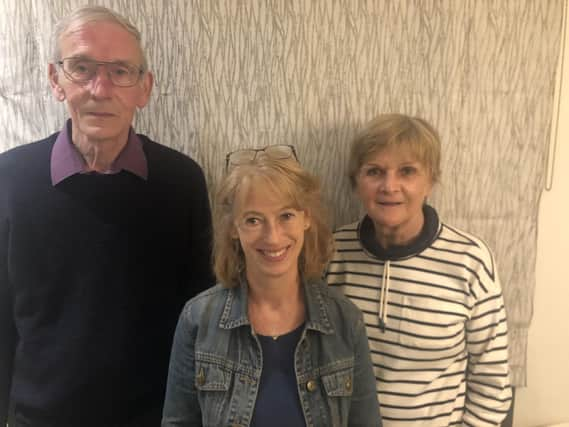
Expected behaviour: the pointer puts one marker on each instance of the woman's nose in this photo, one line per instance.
(389, 182)
(271, 231)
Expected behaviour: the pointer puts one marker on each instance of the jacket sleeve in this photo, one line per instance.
(364, 408)
(181, 406)
(488, 390)
(8, 334)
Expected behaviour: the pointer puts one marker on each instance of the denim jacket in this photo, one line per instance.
(216, 362)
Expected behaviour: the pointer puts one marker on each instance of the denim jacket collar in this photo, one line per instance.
(235, 308)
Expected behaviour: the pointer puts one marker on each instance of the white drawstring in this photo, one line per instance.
(384, 296)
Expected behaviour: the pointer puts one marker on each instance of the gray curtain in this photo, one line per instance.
(236, 73)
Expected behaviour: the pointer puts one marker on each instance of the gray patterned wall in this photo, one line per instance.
(238, 73)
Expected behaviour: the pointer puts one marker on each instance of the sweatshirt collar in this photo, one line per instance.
(429, 232)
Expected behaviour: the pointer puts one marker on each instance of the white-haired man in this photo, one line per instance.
(104, 234)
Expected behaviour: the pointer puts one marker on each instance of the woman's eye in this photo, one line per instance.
(372, 172)
(251, 221)
(408, 170)
(287, 216)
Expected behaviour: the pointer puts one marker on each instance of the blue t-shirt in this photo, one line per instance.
(277, 402)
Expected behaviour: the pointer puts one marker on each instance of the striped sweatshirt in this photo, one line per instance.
(435, 320)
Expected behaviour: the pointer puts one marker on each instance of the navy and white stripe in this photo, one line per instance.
(443, 356)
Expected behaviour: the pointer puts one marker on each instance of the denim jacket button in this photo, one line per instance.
(311, 385)
(200, 379)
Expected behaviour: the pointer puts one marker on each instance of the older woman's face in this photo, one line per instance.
(393, 186)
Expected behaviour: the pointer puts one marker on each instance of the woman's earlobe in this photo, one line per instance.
(233, 233)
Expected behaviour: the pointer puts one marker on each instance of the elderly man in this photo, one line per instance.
(104, 234)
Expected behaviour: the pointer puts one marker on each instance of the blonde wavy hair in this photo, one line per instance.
(298, 189)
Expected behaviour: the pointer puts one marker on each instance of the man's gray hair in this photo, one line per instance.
(87, 14)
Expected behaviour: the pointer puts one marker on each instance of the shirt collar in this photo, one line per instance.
(67, 161)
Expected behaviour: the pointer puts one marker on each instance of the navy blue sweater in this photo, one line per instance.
(93, 275)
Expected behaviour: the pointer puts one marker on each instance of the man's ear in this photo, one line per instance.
(56, 89)
(146, 89)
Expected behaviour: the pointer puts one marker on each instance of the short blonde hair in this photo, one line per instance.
(87, 14)
(394, 131)
(295, 185)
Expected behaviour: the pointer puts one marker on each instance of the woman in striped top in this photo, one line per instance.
(429, 292)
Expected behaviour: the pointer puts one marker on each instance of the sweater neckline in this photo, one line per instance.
(429, 232)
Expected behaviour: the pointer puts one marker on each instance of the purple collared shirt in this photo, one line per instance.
(67, 161)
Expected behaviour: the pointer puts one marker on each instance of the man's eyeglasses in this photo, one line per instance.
(81, 70)
(248, 155)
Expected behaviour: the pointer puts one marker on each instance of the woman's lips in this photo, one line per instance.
(274, 255)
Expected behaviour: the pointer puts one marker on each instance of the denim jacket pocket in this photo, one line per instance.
(338, 386)
(340, 383)
(211, 377)
(212, 382)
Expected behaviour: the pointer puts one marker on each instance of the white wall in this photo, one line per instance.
(546, 400)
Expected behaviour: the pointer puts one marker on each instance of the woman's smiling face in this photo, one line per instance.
(270, 231)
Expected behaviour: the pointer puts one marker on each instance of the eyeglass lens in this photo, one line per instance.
(82, 70)
(248, 155)
(278, 151)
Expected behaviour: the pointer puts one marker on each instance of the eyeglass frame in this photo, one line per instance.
(139, 68)
(257, 151)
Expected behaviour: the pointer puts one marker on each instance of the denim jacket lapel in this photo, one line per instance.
(317, 317)
(234, 312)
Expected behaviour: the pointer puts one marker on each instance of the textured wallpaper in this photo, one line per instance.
(246, 73)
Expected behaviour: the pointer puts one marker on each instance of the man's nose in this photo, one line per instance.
(101, 83)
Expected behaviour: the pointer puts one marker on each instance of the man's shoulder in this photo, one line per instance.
(30, 151)
(24, 160)
(171, 159)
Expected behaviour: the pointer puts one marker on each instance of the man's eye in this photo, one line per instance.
(80, 68)
(121, 71)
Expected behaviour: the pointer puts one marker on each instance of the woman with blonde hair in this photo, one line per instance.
(271, 344)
